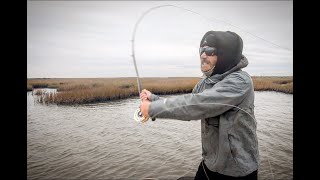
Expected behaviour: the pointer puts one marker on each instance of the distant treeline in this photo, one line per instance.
(91, 90)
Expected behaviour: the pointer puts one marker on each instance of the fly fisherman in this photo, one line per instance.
(224, 101)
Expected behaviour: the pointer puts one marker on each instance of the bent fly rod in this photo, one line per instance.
(138, 116)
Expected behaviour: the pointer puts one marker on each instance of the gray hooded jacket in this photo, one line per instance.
(225, 105)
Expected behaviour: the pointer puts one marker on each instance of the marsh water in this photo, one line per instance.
(102, 141)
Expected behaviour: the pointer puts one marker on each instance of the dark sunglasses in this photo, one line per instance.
(210, 51)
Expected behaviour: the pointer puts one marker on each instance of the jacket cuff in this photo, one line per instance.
(154, 97)
(156, 107)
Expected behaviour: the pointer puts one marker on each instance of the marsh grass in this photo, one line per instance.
(279, 84)
(29, 87)
(92, 90)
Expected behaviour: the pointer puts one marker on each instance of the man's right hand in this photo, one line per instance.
(145, 95)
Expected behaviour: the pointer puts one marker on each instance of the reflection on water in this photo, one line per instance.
(102, 141)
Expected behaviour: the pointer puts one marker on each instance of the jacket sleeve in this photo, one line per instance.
(212, 102)
(154, 97)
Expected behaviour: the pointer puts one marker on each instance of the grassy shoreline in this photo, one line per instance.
(93, 90)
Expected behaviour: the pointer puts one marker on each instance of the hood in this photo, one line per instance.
(229, 47)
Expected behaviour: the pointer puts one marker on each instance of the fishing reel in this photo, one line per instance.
(138, 116)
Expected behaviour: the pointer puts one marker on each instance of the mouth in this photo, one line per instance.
(204, 63)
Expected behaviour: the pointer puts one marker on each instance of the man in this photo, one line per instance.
(224, 101)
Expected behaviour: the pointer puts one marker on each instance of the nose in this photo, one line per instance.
(203, 55)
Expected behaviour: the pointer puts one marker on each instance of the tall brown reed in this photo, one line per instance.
(91, 90)
(279, 84)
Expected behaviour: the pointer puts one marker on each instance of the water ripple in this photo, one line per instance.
(101, 141)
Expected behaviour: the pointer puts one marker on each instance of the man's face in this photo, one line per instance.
(207, 62)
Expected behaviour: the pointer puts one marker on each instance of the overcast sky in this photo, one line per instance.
(74, 39)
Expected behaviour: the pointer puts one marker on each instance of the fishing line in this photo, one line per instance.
(138, 116)
(207, 19)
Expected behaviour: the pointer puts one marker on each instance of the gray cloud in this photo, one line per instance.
(92, 39)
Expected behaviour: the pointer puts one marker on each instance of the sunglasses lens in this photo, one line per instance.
(210, 51)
